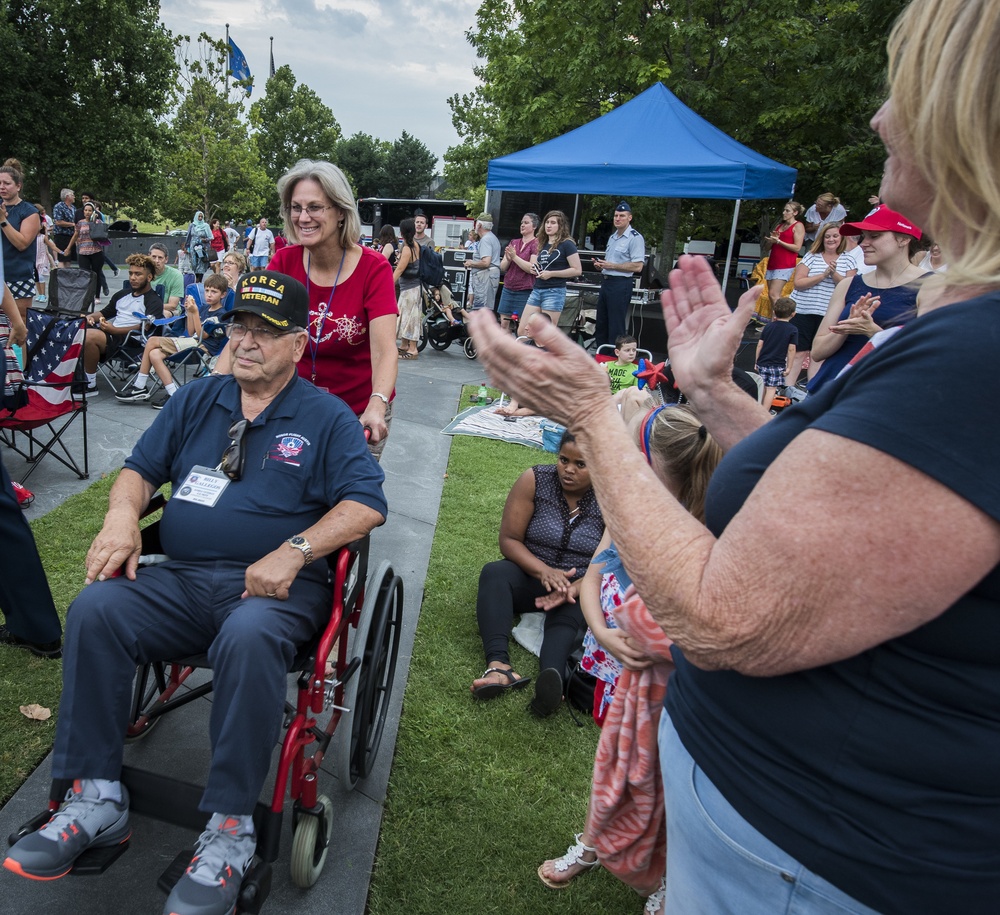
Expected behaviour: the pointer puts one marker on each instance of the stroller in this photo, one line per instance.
(437, 329)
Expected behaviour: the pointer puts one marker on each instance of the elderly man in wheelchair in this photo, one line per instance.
(255, 459)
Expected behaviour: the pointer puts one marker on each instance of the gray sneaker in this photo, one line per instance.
(211, 884)
(160, 401)
(84, 821)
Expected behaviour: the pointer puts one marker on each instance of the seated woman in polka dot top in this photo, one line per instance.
(550, 528)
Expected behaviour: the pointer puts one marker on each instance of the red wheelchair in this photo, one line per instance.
(347, 700)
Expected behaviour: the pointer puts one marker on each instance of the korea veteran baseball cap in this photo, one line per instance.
(279, 299)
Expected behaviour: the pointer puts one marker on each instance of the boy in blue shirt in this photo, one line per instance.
(776, 349)
(200, 327)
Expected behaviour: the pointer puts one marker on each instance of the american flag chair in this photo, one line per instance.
(52, 353)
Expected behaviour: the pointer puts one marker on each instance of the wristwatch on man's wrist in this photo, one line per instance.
(300, 543)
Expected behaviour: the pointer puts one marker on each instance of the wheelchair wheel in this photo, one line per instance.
(422, 342)
(149, 683)
(470, 348)
(376, 642)
(310, 843)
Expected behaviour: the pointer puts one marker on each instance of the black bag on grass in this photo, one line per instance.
(580, 686)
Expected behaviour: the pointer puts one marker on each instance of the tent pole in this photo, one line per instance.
(732, 241)
(576, 207)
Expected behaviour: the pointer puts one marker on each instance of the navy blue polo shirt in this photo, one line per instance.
(304, 454)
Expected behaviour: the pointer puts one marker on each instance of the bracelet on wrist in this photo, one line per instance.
(381, 397)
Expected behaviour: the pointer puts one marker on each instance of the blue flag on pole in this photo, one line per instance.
(238, 65)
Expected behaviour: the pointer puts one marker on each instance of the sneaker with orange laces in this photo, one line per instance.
(84, 821)
(211, 884)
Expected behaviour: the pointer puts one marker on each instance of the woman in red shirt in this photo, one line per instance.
(785, 243)
(218, 244)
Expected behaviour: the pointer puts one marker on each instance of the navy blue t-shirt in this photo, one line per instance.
(776, 338)
(881, 773)
(305, 453)
(895, 305)
(556, 258)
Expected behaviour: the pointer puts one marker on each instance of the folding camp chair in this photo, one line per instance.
(194, 360)
(53, 352)
(71, 291)
(606, 353)
(121, 361)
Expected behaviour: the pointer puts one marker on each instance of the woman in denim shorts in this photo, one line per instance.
(557, 260)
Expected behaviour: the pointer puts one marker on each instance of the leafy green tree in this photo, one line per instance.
(363, 158)
(87, 83)
(211, 163)
(290, 123)
(409, 168)
(797, 82)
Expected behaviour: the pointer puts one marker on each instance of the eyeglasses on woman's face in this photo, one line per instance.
(261, 335)
(313, 210)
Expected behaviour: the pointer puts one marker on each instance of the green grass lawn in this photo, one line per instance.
(63, 537)
(481, 792)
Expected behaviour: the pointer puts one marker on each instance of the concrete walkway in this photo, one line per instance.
(414, 461)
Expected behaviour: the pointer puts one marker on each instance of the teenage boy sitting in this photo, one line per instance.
(118, 317)
(197, 323)
(621, 370)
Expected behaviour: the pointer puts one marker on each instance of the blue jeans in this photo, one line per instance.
(548, 299)
(719, 864)
(512, 301)
(260, 263)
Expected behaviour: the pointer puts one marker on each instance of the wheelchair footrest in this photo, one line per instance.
(175, 870)
(95, 861)
(254, 889)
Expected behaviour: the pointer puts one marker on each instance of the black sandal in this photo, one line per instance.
(492, 690)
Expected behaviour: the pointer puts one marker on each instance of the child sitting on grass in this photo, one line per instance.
(776, 349)
(621, 370)
(200, 328)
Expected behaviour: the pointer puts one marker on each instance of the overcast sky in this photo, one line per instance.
(382, 66)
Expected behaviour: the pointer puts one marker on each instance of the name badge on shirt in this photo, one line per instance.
(203, 486)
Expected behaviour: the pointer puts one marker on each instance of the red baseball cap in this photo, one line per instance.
(882, 219)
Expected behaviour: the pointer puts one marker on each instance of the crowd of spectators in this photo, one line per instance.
(829, 741)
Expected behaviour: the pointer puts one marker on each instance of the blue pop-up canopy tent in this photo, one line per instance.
(652, 146)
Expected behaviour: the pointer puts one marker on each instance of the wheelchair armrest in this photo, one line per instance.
(155, 504)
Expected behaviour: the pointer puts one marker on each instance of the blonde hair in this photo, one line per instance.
(817, 244)
(238, 258)
(334, 185)
(682, 446)
(943, 80)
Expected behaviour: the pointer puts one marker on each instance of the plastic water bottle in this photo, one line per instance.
(481, 398)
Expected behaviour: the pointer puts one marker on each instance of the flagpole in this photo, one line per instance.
(272, 55)
(229, 57)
